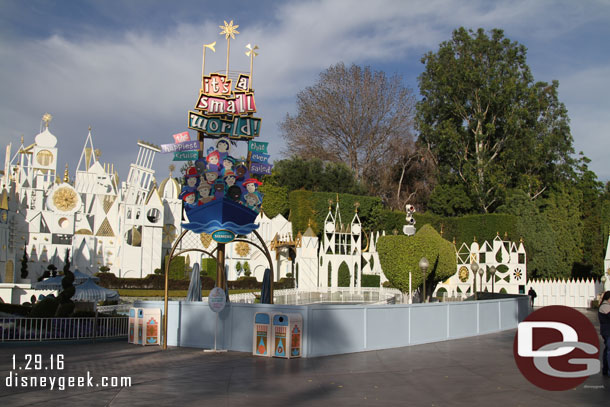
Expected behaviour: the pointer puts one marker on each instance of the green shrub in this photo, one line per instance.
(45, 308)
(15, 309)
(400, 254)
(284, 283)
(370, 280)
(176, 268)
(208, 268)
(344, 275)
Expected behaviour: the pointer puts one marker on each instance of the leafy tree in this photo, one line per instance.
(238, 268)
(66, 305)
(563, 215)
(313, 174)
(489, 126)
(538, 238)
(450, 200)
(247, 271)
(356, 116)
(24, 265)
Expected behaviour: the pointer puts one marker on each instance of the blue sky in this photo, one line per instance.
(131, 69)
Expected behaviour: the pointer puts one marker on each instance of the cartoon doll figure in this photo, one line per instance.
(227, 164)
(252, 201)
(201, 165)
(229, 179)
(234, 193)
(219, 189)
(251, 185)
(205, 193)
(189, 200)
(223, 146)
(213, 160)
(191, 178)
(241, 174)
(210, 176)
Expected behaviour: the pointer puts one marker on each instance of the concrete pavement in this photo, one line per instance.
(464, 372)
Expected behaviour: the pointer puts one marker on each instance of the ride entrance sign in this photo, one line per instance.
(217, 300)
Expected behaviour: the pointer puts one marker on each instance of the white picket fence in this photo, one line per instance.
(571, 293)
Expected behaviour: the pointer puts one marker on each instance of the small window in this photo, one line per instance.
(138, 215)
(153, 215)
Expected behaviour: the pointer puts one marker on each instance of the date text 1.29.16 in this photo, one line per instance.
(37, 361)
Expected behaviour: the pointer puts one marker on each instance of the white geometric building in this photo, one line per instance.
(130, 226)
(102, 222)
(508, 258)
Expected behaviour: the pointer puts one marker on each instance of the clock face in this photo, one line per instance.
(356, 229)
(330, 228)
(65, 199)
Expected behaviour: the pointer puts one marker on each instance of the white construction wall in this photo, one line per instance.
(571, 293)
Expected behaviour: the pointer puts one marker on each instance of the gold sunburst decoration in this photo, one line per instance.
(242, 249)
(206, 239)
(229, 31)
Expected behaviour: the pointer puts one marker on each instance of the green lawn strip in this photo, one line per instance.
(134, 292)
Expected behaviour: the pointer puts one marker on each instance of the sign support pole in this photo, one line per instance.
(220, 268)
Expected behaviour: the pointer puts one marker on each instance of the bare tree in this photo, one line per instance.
(356, 116)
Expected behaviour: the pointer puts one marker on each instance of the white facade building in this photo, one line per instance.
(508, 258)
(130, 227)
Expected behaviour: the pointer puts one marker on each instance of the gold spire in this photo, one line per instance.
(356, 206)
(475, 239)
(46, 118)
(172, 167)
(66, 174)
(22, 139)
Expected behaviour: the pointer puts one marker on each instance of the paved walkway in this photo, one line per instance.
(477, 371)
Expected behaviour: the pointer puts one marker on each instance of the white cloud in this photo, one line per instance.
(139, 85)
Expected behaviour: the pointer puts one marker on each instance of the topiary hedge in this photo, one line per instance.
(275, 200)
(400, 254)
(465, 228)
(370, 280)
(208, 268)
(307, 205)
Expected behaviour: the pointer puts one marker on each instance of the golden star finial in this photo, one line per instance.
(46, 118)
(229, 30)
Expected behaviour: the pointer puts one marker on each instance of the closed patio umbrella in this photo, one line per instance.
(194, 293)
